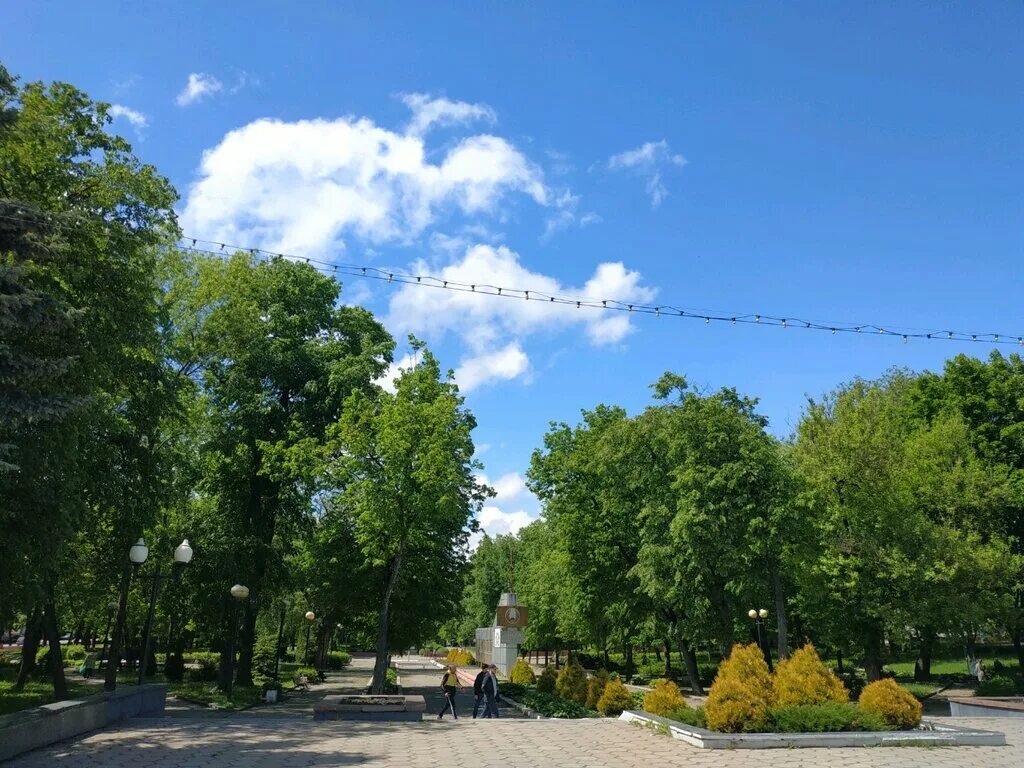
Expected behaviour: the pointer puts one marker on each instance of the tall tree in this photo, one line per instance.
(405, 461)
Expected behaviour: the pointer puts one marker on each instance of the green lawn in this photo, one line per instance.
(948, 667)
(36, 693)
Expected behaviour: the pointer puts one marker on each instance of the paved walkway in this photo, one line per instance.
(285, 735)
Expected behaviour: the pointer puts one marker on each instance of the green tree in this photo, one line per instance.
(405, 461)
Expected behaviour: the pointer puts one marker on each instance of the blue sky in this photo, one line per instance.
(841, 162)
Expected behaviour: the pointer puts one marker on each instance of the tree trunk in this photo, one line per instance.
(692, 672)
(1018, 644)
(60, 686)
(607, 662)
(380, 664)
(923, 666)
(668, 657)
(117, 639)
(29, 649)
(247, 642)
(630, 667)
(227, 647)
(780, 612)
(839, 661)
(873, 654)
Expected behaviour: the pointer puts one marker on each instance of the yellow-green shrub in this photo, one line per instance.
(664, 698)
(595, 687)
(572, 683)
(521, 673)
(742, 692)
(616, 697)
(548, 680)
(803, 678)
(460, 657)
(896, 705)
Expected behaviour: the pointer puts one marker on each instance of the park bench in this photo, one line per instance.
(301, 682)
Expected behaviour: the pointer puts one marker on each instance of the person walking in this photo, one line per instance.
(478, 688)
(490, 689)
(450, 686)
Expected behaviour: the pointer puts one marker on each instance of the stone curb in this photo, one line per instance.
(932, 734)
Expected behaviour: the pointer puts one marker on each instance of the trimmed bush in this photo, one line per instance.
(174, 668)
(550, 705)
(803, 678)
(521, 673)
(897, 706)
(689, 716)
(548, 680)
(997, 685)
(616, 697)
(595, 687)
(338, 660)
(572, 683)
(663, 698)
(742, 692)
(828, 717)
(460, 657)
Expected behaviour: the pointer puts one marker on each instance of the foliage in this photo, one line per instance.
(460, 657)
(552, 705)
(572, 683)
(664, 698)
(614, 699)
(689, 716)
(741, 694)
(595, 688)
(804, 679)
(548, 680)
(899, 708)
(825, 717)
(999, 685)
(338, 660)
(174, 668)
(521, 673)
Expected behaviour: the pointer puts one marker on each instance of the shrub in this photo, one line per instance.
(689, 716)
(742, 692)
(547, 681)
(572, 683)
(338, 660)
(70, 654)
(898, 707)
(521, 673)
(595, 687)
(616, 697)
(264, 660)
(205, 673)
(997, 685)
(460, 657)
(804, 679)
(824, 718)
(174, 668)
(853, 683)
(550, 705)
(665, 697)
(639, 680)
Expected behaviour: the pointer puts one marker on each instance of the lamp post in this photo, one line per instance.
(240, 593)
(310, 617)
(758, 617)
(182, 557)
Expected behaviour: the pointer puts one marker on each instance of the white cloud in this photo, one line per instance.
(303, 187)
(199, 86)
(494, 520)
(508, 487)
(137, 119)
(500, 365)
(649, 161)
(485, 322)
(428, 111)
(387, 380)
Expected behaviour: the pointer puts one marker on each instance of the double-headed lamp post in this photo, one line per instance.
(138, 555)
(310, 617)
(758, 617)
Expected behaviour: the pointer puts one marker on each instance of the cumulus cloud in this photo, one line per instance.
(304, 186)
(496, 521)
(428, 111)
(199, 86)
(485, 321)
(649, 161)
(137, 119)
(387, 379)
(503, 364)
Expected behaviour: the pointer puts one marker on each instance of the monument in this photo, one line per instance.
(499, 643)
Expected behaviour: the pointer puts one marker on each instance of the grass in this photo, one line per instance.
(209, 694)
(921, 690)
(36, 693)
(947, 667)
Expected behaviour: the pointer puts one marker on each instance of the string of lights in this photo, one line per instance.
(391, 276)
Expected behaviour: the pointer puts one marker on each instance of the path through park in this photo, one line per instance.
(285, 735)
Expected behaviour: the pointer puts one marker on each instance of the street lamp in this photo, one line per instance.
(138, 554)
(758, 617)
(310, 617)
(240, 593)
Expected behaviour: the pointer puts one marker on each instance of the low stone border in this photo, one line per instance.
(33, 728)
(373, 708)
(986, 706)
(931, 734)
